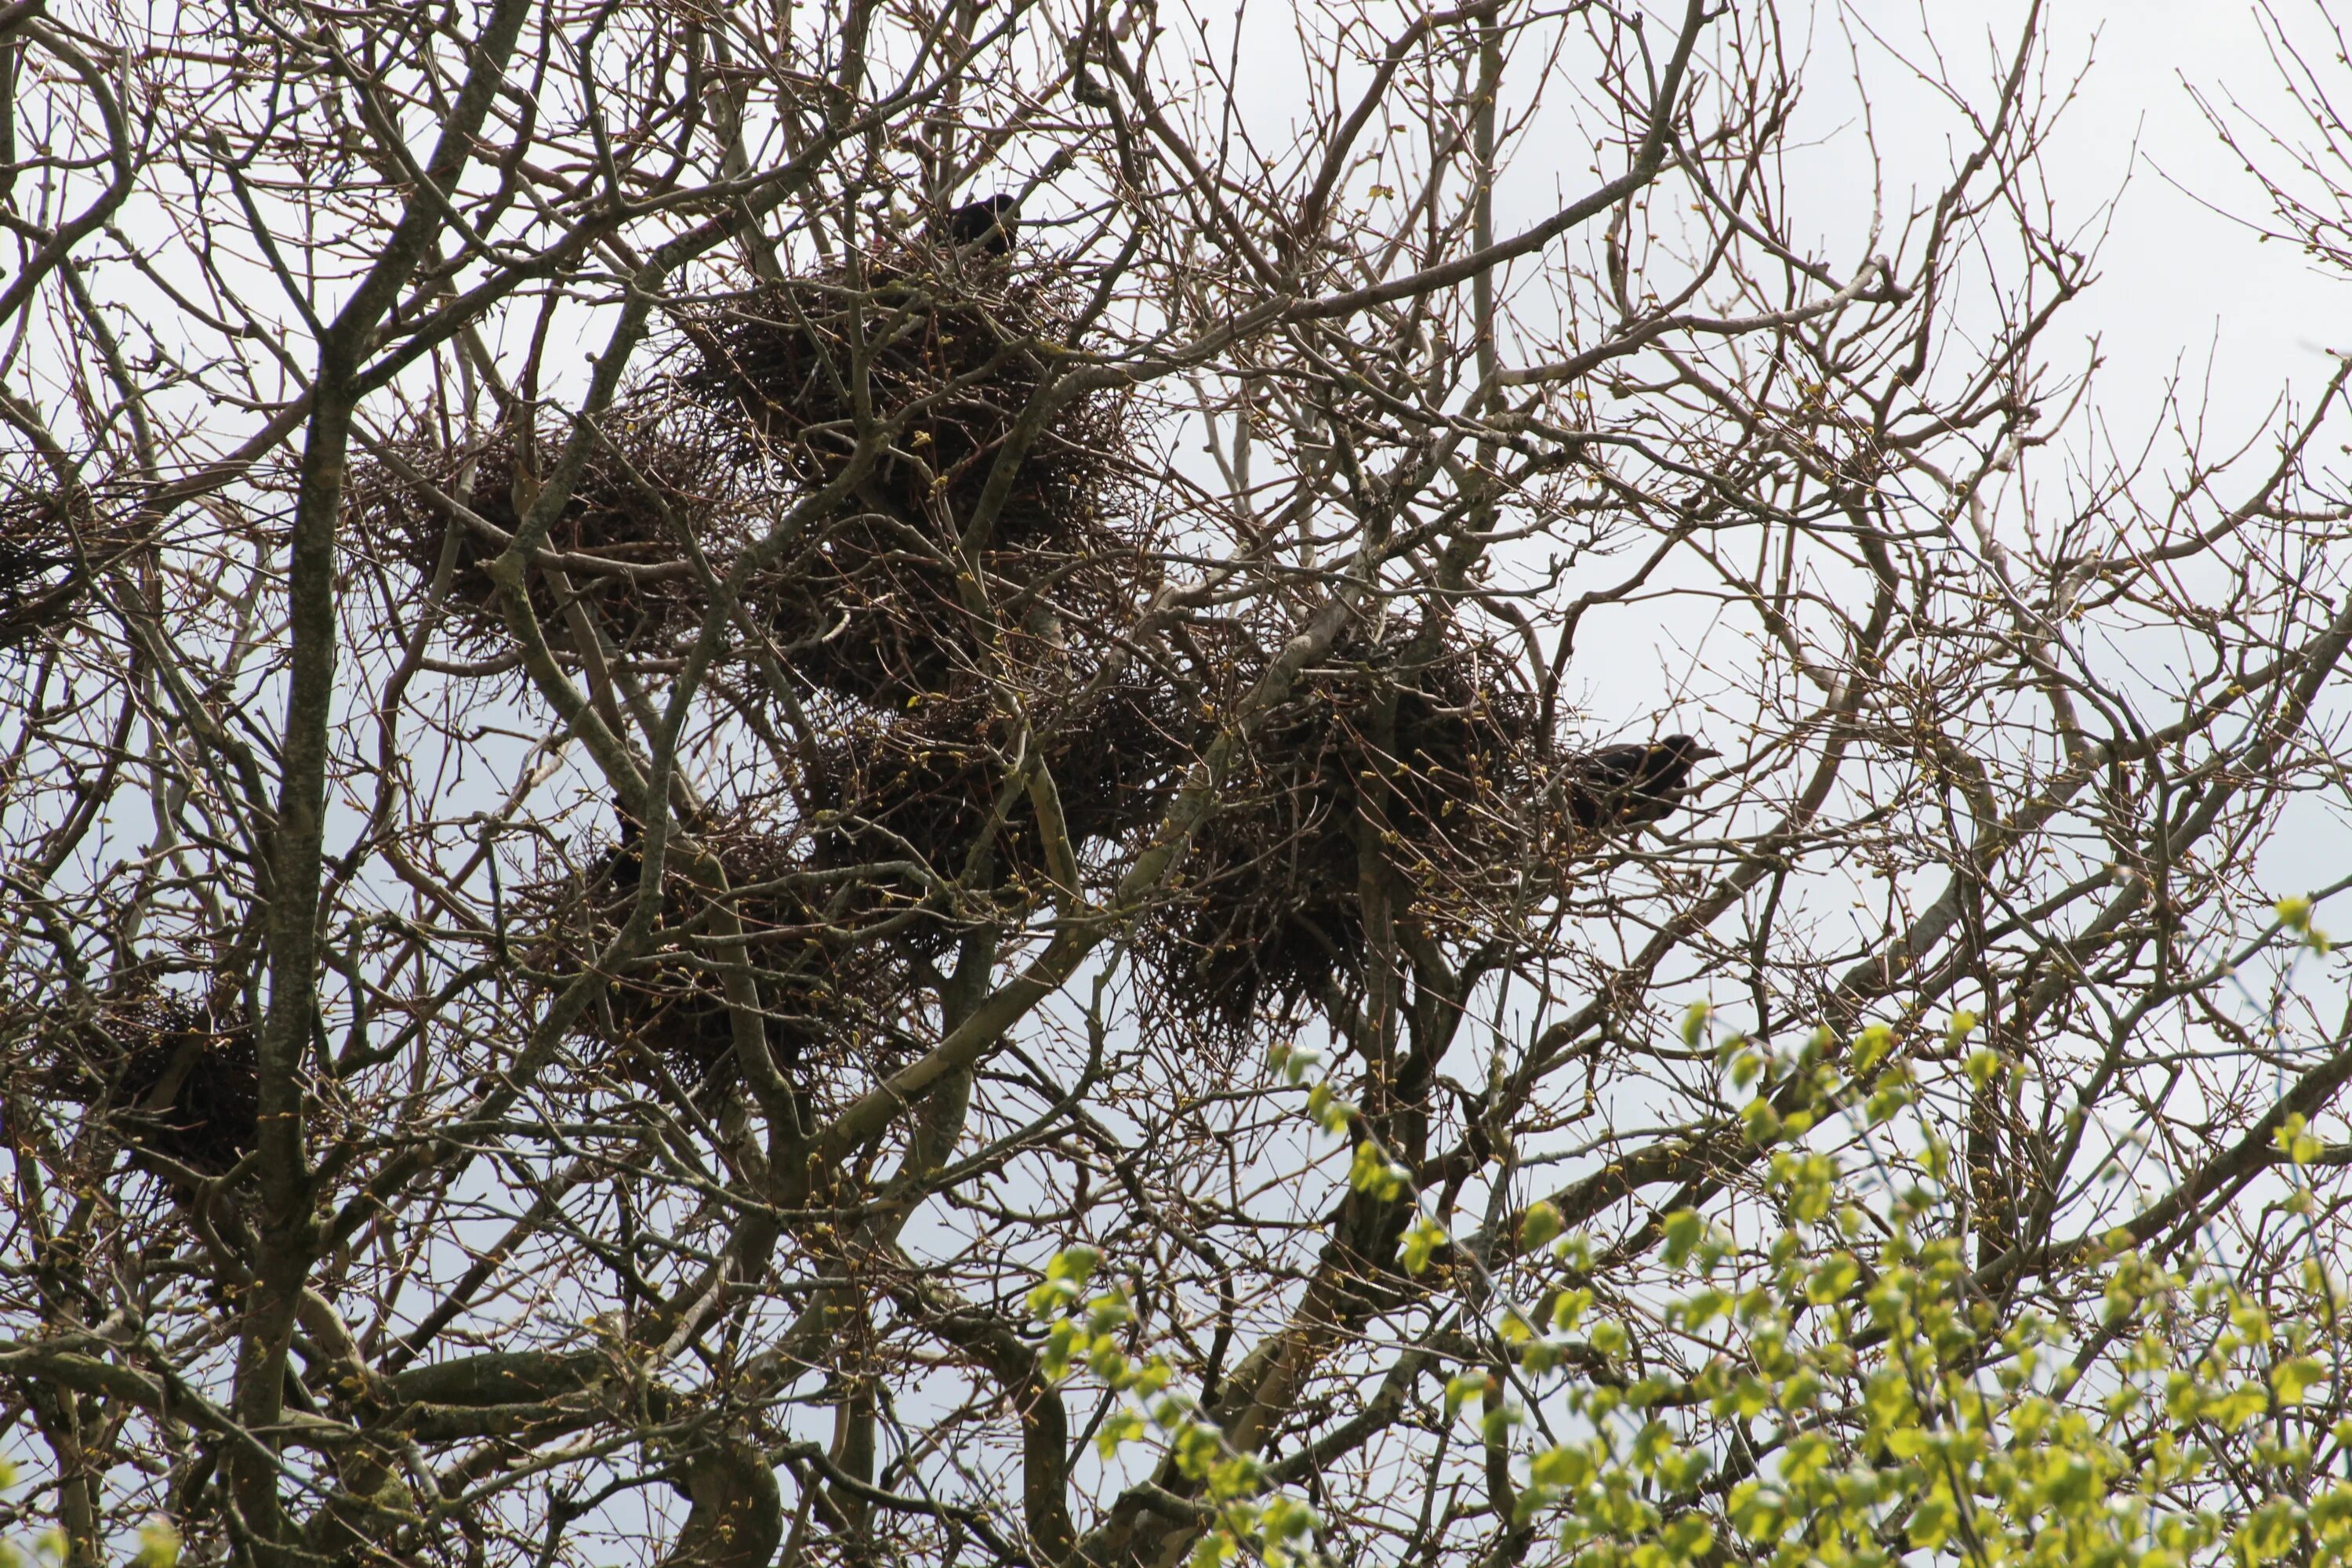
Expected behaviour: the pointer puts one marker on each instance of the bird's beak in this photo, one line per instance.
(1704, 752)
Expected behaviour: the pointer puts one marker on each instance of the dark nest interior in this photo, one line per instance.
(825, 995)
(928, 785)
(41, 576)
(658, 469)
(871, 606)
(179, 1079)
(1270, 914)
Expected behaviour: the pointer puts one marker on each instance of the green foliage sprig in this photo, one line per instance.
(1083, 1330)
(1884, 1407)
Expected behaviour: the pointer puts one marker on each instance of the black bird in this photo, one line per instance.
(624, 863)
(1624, 787)
(988, 223)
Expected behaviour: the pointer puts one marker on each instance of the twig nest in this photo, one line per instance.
(1413, 747)
(824, 994)
(943, 783)
(878, 610)
(179, 1079)
(658, 476)
(909, 387)
(949, 368)
(41, 576)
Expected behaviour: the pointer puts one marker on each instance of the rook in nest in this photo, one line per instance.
(1625, 786)
(988, 223)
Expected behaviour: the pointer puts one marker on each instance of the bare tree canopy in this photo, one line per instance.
(884, 784)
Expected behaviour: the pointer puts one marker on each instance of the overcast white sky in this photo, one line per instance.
(2179, 281)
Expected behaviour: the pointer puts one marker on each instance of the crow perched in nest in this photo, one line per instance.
(988, 223)
(1624, 787)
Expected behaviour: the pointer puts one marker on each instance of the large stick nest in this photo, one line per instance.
(42, 580)
(1448, 794)
(179, 1079)
(657, 473)
(935, 783)
(879, 602)
(827, 998)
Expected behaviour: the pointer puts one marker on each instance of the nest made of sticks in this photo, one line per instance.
(871, 607)
(933, 783)
(656, 472)
(42, 578)
(180, 1079)
(1450, 792)
(826, 996)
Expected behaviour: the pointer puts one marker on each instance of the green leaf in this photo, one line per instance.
(1462, 1387)
(1052, 1299)
(2294, 914)
(1121, 1427)
(1061, 1344)
(1421, 1239)
(1285, 1519)
(1106, 1359)
(1834, 1280)
(2233, 1409)
(1932, 1521)
(1075, 1264)
(159, 1545)
(1801, 1391)
(1538, 1225)
(1652, 1442)
(2290, 1378)
(2268, 1534)
(2292, 1140)
(1871, 1047)
(1199, 1448)
(1687, 1537)
(1331, 1112)
(1215, 1546)
(1703, 1307)
(1804, 1459)
(1241, 1475)
(1562, 1467)
(1684, 1229)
